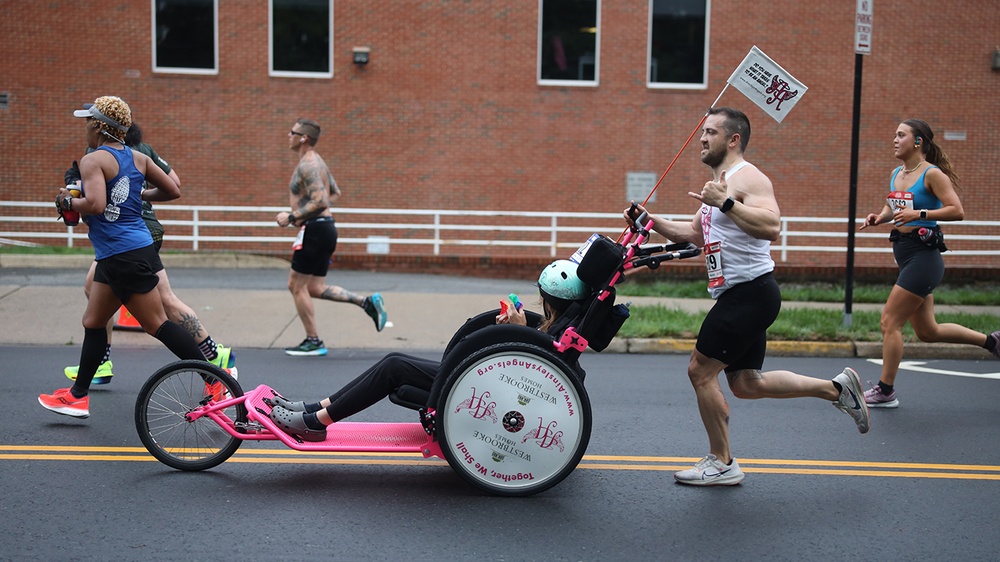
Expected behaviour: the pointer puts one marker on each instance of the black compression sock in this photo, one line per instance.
(886, 388)
(178, 341)
(312, 407)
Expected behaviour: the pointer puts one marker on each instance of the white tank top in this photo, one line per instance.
(743, 257)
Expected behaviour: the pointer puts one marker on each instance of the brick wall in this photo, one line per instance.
(448, 113)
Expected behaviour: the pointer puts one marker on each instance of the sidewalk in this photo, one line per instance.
(424, 310)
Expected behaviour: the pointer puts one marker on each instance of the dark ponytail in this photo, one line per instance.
(931, 151)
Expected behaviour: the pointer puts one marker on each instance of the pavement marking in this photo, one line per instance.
(589, 462)
(916, 366)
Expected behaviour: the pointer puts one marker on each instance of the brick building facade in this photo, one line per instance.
(449, 112)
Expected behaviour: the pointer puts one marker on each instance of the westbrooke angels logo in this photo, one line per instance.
(780, 91)
(545, 437)
(478, 406)
(768, 85)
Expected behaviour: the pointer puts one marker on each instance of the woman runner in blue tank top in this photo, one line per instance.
(921, 192)
(127, 263)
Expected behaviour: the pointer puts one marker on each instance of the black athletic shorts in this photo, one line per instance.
(318, 244)
(921, 268)
(130, 272)
(735, 330)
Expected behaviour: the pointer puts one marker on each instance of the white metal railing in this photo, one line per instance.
(24, 222)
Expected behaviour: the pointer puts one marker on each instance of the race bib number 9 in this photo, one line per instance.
(713, 263)
(900, 201)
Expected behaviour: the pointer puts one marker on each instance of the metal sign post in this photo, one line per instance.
(862, 46)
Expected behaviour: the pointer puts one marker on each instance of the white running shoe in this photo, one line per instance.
(710, 472)
(852, 398)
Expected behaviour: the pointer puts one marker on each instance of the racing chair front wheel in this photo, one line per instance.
(161, 415)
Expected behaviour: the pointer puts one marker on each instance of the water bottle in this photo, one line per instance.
(926, 235)
(70, 217)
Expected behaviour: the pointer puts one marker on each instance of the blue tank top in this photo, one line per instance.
(120, 228)
(922, 198)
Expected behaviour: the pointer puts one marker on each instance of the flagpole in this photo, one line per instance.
(688, 141)
(676, 156)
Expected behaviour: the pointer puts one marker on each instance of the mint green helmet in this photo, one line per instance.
(559, 284)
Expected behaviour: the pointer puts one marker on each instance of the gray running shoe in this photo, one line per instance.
(709, 471)
(852, 399)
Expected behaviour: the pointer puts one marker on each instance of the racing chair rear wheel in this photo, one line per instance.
(512, 417)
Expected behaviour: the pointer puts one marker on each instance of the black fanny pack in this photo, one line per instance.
(930, 237)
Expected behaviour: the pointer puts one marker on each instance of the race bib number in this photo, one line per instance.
(900, 201)
(297, 245)
(713, 263)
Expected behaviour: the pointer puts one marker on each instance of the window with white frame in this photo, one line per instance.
(678, 44)
(569, 42)
(186, 36)
(301, 41)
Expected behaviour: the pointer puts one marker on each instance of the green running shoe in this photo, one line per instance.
(227, 360)
(102, 376)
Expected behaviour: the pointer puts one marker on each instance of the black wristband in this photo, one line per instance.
(727, 205)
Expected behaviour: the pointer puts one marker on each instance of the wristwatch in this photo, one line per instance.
(727, 205)
(923, 213)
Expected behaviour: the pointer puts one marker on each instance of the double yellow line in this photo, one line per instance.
(258, 454)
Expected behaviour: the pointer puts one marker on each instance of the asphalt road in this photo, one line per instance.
(922, 485)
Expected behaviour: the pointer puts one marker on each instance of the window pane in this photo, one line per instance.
(301, 35)
(677, 42)
(185, 34)
(569, 40)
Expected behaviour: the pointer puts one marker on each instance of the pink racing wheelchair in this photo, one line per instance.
(508, 410)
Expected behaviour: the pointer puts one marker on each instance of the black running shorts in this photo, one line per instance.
(318, 244)
(130, 273)
(735, 330)
(921, 268)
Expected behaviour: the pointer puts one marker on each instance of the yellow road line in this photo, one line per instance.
(589, 462)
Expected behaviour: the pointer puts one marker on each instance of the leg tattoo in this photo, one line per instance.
(191, 324)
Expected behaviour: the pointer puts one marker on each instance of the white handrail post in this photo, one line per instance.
(69, 237)
(437, 234)
(784, 240)
(553, 238)
(194, 230)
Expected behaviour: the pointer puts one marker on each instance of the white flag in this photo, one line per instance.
(766, 84)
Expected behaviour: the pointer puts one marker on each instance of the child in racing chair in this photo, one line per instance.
(559, 288)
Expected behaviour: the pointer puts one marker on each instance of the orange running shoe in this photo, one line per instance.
(63, 402)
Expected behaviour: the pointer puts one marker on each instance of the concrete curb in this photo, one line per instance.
(864, 350)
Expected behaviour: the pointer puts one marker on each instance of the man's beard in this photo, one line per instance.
(714, 156)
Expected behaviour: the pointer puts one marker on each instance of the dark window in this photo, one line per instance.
(568, 40)
(677, 42)
(301, 35)
(185, 36)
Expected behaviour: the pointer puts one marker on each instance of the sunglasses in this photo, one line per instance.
(296, 133)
